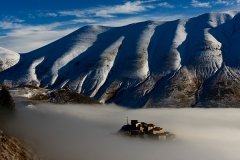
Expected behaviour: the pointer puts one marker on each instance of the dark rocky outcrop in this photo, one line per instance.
(64, 96)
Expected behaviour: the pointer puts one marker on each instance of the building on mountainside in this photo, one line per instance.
(146, 131)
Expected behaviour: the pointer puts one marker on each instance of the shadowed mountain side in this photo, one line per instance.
(90, 69)
(130, 92)
(228, 34)
(202, 54)
(221, 90)
(132, 58)
(176, 91)
(163, 48)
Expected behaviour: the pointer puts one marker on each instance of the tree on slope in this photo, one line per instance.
(6, 101)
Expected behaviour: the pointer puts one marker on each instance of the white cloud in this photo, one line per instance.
(12, 19)
(9, 22)
(127, 8)
(24, 42)
(77, 13)
(31, 16)
(47, 15)
(84, 21)
(110, 11)
(238, 1)
(222, 2)
(166, 5)
(24, 38)
(9, 25)
(28, 29)
(196, 3)
(147, 1)
(51, 14)
(130, 20)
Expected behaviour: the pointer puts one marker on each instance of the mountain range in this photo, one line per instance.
(183, 63)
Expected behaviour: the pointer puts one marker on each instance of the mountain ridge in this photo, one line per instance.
(146, 64)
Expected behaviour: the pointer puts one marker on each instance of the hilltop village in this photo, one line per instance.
(146, 131)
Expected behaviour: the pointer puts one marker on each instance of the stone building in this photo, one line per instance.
(156, 130)
(145, 130)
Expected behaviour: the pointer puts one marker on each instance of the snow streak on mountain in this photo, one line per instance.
(182, 63)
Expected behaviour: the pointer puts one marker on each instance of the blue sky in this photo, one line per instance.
(29, 24)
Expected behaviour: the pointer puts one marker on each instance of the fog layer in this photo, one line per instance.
(84, 132)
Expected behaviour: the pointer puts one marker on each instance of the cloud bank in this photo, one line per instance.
(196, 3)
(223, 2)
(31, 39)
(110, 11)
(166, 5)
(84, 132)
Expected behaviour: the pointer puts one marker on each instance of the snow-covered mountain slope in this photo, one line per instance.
(150, 64)
(8, 58)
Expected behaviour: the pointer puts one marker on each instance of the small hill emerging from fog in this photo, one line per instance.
(62, 96)
(183, 63)
(13, 149)
(59, 96)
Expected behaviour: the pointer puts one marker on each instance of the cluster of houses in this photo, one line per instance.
(144, 130)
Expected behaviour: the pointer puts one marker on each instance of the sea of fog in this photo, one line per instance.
(85, 132)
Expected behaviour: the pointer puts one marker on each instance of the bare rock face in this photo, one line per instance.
(13, 149)
(184, 63)
(221, 90)
(178, 91)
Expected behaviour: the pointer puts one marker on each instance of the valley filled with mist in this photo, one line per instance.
(86, 132)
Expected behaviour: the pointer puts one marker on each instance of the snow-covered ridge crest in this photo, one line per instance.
(8, 58)
(151, 64)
